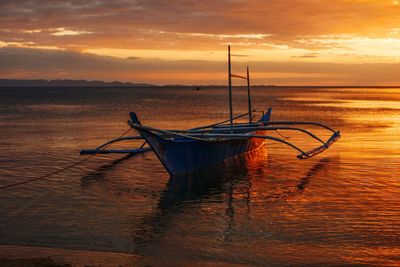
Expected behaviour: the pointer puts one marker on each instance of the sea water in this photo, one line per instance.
(259, 209)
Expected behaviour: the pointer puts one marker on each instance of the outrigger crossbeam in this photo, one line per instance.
(216, 134)
(217, 131)
(115, 151)
(101, 149)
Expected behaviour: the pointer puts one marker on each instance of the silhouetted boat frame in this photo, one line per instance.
(184, 151)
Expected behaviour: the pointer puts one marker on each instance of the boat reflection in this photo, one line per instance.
(99, 174)
(249, 168)
(231, 190)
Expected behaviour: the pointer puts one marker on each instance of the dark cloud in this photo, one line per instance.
(310, 55)
(239, 55)
(132, 58)
(161, 24)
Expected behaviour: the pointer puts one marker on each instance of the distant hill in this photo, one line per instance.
(66, 83)
(95, 83)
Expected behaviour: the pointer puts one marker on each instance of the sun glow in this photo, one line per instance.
(325, 48)
(357, 47)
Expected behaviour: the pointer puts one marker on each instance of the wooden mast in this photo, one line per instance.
(248, 94)
(230, 88)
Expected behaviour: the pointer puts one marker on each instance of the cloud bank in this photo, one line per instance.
(146, 40)
(31, 63)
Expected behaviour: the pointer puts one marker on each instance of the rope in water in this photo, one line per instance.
(57, 171)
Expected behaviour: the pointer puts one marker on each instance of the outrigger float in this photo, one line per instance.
(185, 151)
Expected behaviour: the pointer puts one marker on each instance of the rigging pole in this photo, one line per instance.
(230, 88)
(248, 94)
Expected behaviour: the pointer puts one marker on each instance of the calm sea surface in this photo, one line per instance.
(260, 209)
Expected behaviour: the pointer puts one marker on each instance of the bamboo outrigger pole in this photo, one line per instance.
(247, 78)
(248, 94)
(230, 88)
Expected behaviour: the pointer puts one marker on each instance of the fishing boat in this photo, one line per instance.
(185, 151)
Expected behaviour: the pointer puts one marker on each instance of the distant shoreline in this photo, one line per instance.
(67, 83)
(9, 83)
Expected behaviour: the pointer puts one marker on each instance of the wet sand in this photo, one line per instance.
(22, 256)
(37, 256)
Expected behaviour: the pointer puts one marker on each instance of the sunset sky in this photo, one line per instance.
(285, 42)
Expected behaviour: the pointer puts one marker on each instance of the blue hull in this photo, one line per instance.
(181, 155)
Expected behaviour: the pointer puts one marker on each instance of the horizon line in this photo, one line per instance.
(138, 84)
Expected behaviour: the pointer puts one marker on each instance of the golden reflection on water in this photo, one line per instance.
(367, 104)
(265, 207)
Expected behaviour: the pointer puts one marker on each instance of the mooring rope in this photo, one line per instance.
(57, 171)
